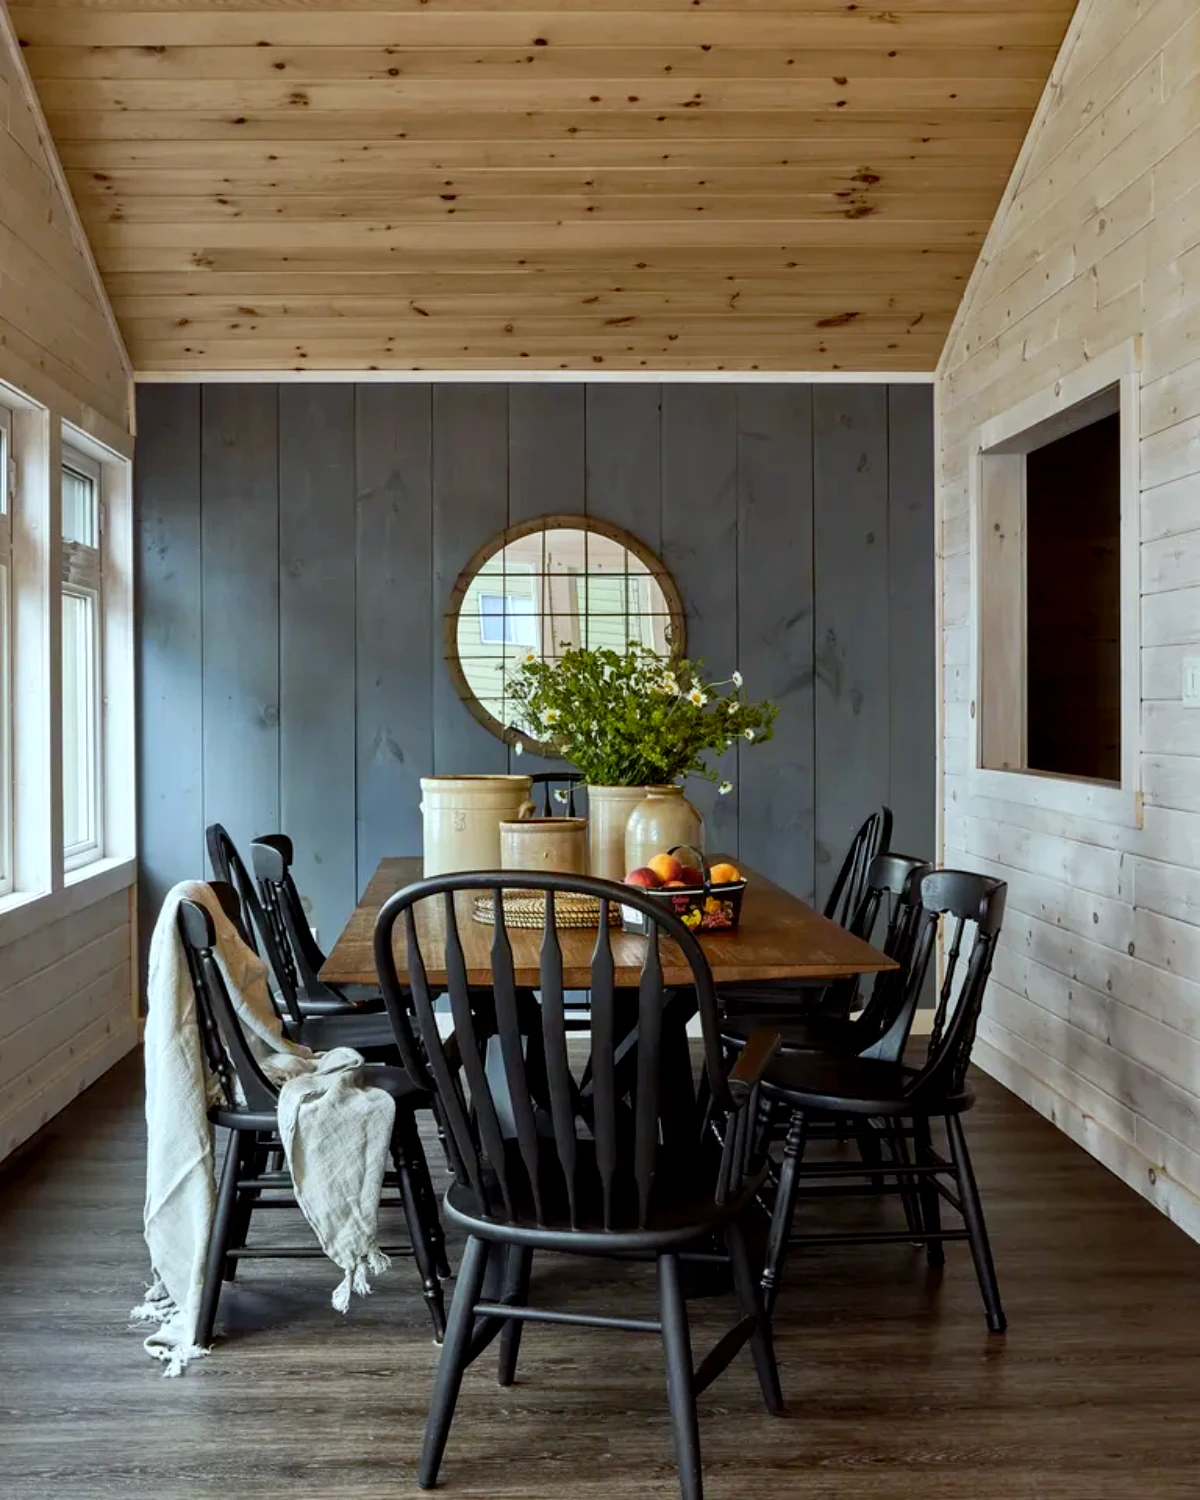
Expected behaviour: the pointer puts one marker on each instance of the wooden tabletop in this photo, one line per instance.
(780, 937)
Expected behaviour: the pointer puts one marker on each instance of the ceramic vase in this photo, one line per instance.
(462, 817)
(661, 820)
(558, 844)
(609, 808)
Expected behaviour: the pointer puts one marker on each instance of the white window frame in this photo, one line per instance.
(8, 493)
(1005, 438)
(83, 576)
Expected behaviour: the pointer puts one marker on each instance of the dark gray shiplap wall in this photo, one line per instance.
(297, 544)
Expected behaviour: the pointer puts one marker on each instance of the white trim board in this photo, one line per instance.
(536, 377)
(1120, 367)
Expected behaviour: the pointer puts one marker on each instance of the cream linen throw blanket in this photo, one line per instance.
(336, 1133)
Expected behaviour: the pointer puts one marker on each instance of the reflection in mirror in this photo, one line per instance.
(550, 585)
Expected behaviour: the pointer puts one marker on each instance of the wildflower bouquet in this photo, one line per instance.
(633, 719)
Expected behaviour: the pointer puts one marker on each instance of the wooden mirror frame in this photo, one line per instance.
(497, 543)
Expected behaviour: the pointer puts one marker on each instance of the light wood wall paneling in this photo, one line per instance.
(776, 793)
(171, 647)
(853, 698)
(470, 506)
(1093, 1019)
(398, 655)
(700, 548)
(912, 628)
(240, 540)
(317, 633)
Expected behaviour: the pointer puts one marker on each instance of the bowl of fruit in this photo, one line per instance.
(706, 898)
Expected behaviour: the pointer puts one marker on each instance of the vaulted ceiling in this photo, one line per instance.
(599, 184)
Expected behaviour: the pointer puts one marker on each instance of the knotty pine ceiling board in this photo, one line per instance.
(571, 184)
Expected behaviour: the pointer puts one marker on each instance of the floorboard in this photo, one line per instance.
(895, 1389)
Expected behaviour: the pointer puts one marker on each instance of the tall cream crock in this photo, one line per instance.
(462, 817)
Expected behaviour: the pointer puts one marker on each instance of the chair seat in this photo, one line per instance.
(816, 1034)
(682, 1208)
(348, 1029)
(394, 1081)
(824, 1084)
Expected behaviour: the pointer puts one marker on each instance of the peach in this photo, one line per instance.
(674, 885)
(725, 874)
(666, 867)
(644, 877)
(690, 875)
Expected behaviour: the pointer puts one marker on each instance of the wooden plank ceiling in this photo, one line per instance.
(575, 184)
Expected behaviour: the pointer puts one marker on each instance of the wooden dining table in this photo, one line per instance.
(780, 937)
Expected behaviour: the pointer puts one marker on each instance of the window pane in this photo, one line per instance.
(79, 510)
(80, 720)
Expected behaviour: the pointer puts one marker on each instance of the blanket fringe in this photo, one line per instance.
(374, 1263)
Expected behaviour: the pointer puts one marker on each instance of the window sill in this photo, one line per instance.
(1085, 799)
(23, 913)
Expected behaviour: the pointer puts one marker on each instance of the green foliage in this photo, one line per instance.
(633, 719)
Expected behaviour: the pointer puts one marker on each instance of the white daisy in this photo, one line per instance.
(551, 716)
(518, 747)
(748, 734)
(736, 679)
(697, 697)
(668, 683)
(725, 788)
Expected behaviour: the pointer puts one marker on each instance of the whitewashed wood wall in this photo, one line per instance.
(66, 977)
(1093, 1014)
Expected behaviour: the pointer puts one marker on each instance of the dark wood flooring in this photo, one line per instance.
(895, 1389)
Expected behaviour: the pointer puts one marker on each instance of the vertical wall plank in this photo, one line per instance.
(853, 702)
(624, 468)
(470, 505)
(699, 546)
(169, 732)
(398, 654)
(545, 451)
(912, 626)
(240, 540)
(775, 629)
(316, 644)
(545, 477)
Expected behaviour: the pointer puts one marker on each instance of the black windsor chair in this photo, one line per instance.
(561, 787)
(822, 1089)
(582, 1167)
(248, 1182)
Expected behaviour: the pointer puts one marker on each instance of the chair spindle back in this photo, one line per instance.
(963, 899)
(225, 1045)
(874, 837)
(546, 1138)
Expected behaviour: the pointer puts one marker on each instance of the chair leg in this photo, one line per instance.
(406, 1145)
(218, 1240)
(749, 1295)
(785, 1208)
(905, 1181)
(453, 1361)
(424, 1181)
(931, 1202)
(516, 1291)
(981, 1250)
(255, 1157)
(677, 1350)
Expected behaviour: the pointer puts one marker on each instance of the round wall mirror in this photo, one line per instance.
(548, 585)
